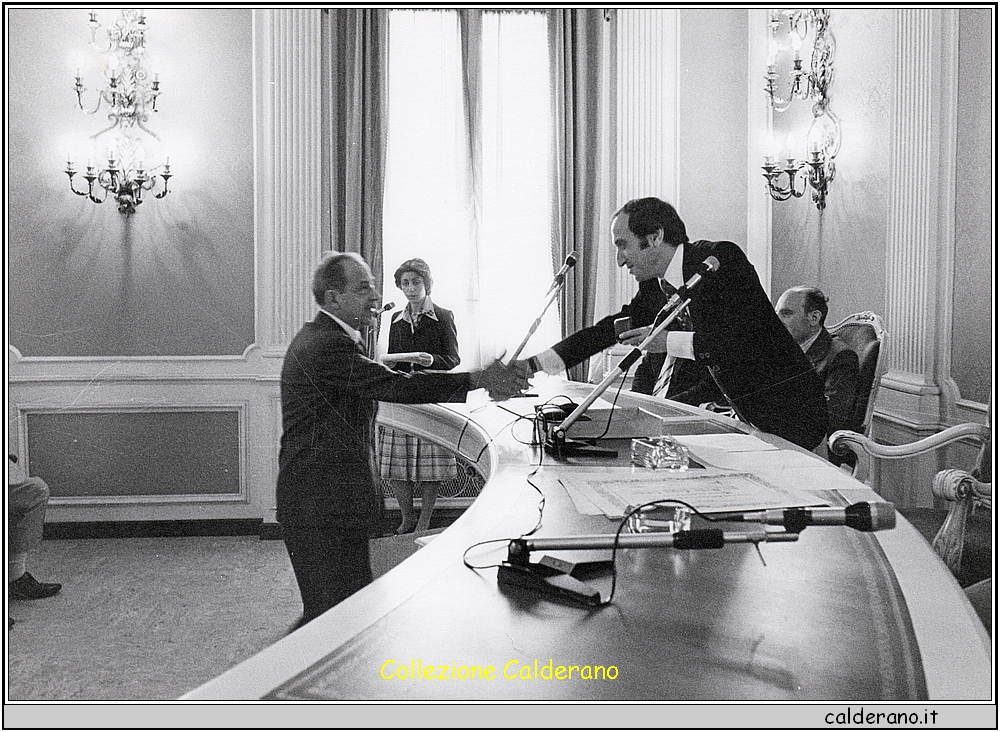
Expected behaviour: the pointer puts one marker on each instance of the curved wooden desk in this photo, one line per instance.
(837, 615)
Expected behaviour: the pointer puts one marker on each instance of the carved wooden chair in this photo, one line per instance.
(865, 333)
(962, 533)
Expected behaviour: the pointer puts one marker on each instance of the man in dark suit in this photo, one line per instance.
(734, 349)
(328, 506)
(803, 310)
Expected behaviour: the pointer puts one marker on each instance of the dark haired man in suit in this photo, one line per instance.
(732, 350)
(328, 505)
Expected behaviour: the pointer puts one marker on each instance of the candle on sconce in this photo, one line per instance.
(790, 145)
(796, 40)
(772, 53)
(769, 149)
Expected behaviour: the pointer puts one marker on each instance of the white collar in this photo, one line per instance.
(807, 343)
(675, 270)
(427, 310)
(352, 332)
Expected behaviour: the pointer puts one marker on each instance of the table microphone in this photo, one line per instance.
(861, 516)
(386, 308)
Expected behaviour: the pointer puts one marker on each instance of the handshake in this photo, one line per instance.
(503, 381)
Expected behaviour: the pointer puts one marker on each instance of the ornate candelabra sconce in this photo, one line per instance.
(817, 169)
(129, 93)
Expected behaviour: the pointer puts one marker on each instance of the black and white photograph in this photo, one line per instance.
(523, 366)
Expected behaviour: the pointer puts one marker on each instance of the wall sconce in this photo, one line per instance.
(823, 138)
(130, 95)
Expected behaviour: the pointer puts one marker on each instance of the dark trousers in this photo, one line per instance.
(331, 563)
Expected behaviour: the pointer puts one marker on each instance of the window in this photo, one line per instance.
(469, 193)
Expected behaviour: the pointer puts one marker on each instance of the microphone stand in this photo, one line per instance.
(552, 576)
(553, 293)
(557, 441)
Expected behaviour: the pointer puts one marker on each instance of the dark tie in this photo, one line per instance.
(681, 322)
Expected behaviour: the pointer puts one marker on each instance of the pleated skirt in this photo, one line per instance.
(405, 457)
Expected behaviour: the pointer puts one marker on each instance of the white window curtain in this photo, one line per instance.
(467, 172)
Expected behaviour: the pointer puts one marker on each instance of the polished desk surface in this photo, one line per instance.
(836, 615)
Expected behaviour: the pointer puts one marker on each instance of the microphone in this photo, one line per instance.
(519, 549)
(550, 297)
(561, 274)
(861, 516)
(711, 264)
(386, 308)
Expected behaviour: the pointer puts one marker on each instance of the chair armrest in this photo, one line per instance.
(963, 493)
(864, 448)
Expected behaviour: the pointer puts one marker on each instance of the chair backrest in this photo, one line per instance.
(865, 333)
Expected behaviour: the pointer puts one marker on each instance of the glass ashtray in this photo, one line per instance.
(667, 519)
(660, 453)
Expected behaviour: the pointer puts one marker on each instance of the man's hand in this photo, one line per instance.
(523, 367)
(424, 359)
(502, 382)
(637, 335)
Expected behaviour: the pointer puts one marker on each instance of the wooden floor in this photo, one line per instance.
(152, 618)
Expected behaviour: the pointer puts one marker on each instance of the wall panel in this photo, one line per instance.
(137, 455)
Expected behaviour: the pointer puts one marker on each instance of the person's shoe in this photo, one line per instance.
(27, 587)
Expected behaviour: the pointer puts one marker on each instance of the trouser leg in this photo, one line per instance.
(330, 565)
(26, 502)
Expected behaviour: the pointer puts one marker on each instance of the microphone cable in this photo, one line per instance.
(624, 522)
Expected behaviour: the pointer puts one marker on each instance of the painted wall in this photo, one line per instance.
(175, 278)
(842, 249)
(713, 124)
(971, 364)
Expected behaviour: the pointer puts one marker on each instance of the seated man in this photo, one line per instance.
(27, 499)
(803, 311)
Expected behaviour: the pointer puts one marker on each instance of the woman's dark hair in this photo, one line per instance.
(417, 266)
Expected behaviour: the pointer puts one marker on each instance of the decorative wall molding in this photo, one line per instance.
(758, 125)
(921, 207)
(147, 408)
(647, 111)
(288, 170)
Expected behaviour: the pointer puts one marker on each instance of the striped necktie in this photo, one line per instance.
(681, 322)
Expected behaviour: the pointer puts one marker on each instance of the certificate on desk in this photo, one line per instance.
(610, 491)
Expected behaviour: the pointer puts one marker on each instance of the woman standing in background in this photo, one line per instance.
(421, 336)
